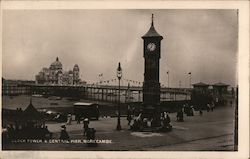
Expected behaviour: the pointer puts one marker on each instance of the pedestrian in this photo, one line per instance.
(192, 110)
(231, 103)
(180, 116)
(5, 135)
(137, 122)
(162, 115)
(166, 123)
(184, 108)
(129, 115)
(90, 135)
(69, 119)
(208, 107)
(78, 118)
(216, 100)
(145, 123)
(200, 111)
(64, 135)
(212, 107)
(167, 118)
(85, 126)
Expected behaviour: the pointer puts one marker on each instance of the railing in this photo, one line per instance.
(102, 93)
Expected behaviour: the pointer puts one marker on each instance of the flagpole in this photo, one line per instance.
(190, 74)
(190, 80)
(168, 78)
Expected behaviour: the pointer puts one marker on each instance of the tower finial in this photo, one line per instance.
(152, 23)
(57, 59)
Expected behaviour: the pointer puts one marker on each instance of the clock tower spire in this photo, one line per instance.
(151, 85)
(152, 23)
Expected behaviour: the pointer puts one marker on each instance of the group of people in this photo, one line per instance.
(28, 130)
(165, 121)
(189, 111)
(140, 122)
(130, 114)
(79, 118)
(88, 132)
(180, 116)
(40, 131)
(210, 107)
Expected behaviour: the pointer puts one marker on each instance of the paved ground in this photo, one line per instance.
(212, 131)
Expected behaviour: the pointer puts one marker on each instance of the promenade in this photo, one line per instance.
(211, 131)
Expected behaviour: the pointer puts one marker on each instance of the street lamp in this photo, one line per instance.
(168, 78)
(190, 80)
(119, 76)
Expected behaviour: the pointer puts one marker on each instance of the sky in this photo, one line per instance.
(203, 42)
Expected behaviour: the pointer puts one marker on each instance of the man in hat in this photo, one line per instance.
(180, 116)
(69, 119)
(129, 115)
(208, 107)
(200, 111)
(64, 135)
(165, 120)
(85, 126)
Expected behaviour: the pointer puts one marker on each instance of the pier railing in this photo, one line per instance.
(93, 92)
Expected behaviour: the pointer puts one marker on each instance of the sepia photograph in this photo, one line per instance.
(120, 80)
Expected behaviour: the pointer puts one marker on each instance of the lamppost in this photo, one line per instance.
(119, 76)
(190, 80)
(168, 78)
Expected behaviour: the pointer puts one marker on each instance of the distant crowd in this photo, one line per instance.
(136, 121)
(26, 130)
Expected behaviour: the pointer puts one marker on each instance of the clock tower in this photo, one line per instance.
(152, 55)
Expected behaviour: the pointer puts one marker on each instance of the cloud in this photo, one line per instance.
(200, 41)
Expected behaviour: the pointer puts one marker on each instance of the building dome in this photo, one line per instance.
(76, 68)
(70, 72)
(56, 65)
(60, 72)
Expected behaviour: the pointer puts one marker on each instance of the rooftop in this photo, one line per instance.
(200, 84)
(152, 32)
(220, 84)
(82, 104)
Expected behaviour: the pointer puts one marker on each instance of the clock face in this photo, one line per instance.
(151, 47)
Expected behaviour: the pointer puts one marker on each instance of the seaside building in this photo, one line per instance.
(55, 75)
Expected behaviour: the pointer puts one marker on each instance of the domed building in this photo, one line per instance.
(57, 65)
(56, 76)
(55, 68)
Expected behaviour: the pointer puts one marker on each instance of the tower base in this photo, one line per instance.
(151, 113)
